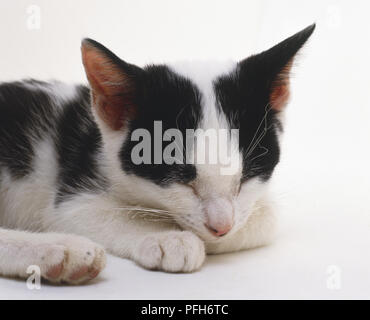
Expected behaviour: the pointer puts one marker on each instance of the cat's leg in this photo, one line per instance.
(259, 230)
(60, 257)
(151, 244)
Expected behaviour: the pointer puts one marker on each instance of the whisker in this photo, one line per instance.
(148, 214)
(143, 209)
(267, 109)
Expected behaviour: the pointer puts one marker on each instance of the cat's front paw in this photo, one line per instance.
(174, 251)
(70, 259)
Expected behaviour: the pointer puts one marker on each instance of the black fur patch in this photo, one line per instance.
(244, 96)
(163, 95)
(78, 143)
(25, 115)
(246, 106)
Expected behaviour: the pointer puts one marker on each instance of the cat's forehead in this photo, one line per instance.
(184, 94)
(202, 73)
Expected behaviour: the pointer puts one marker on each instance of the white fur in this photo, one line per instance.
(25, 202)
(61, 92)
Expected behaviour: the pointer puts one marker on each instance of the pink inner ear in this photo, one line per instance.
(113, 110)
(279, 97)
(103, 75)
(111, 89)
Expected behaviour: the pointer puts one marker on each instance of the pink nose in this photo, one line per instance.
(220, 216)
(220, 231)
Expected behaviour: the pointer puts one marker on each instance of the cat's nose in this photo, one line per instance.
(219, 216)
(220, 231)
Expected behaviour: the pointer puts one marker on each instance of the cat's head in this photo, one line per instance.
(158, 122)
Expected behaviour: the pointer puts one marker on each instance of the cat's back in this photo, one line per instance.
(30, 111)
(34, 105)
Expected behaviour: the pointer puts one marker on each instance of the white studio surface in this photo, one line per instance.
(323, 180)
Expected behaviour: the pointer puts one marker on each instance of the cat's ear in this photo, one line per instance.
(272, 68)
(113, 84)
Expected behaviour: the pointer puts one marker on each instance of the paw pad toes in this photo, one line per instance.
(79, 273)
(94, 273)
(55, 271)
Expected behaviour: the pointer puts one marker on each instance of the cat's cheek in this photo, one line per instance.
(247, 201)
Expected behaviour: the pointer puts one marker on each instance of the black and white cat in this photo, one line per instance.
(69, 188)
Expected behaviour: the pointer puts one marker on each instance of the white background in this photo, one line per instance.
(323, 180)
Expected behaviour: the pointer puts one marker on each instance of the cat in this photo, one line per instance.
(69, 188)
